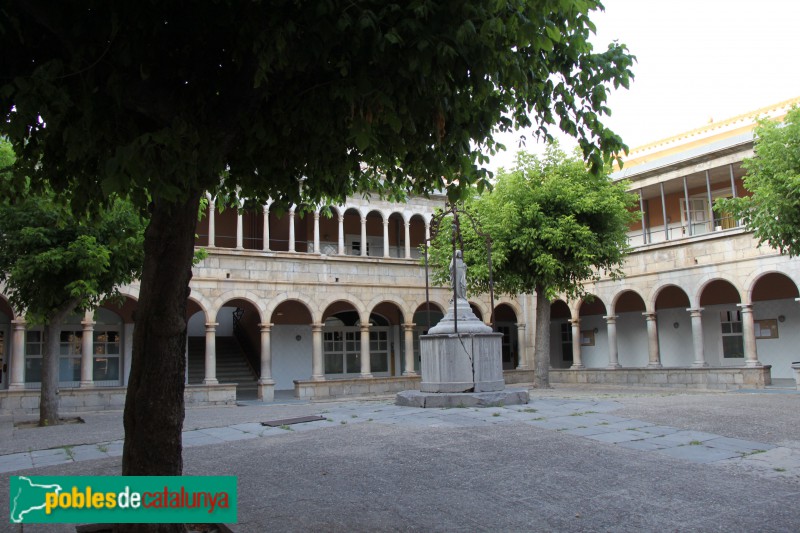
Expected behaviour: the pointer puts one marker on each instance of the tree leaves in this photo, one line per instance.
(773, 178)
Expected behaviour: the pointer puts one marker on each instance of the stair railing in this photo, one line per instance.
(251, 355)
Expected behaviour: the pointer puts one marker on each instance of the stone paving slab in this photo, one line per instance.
(698, 453)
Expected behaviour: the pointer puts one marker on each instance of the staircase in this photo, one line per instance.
(232, 365)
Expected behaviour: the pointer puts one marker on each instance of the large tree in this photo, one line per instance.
(162, 101)
(772, 212)
(554, 225)
(54, 263)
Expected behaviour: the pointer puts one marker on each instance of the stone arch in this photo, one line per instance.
(291, 311)
(337, 297)
(305, 299)
(481, 310)
(718, 291)
(669, 296)
(781, 285)
(627, 300)
(506, 319)
(560, 334)
(238, 294)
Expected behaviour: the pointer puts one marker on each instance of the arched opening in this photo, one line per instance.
(594, 332)
(113, 342)
(674, 327)
(352, 231)
(253, 229)
(328, 231)
(386, 340)
(397, 235)
(722, 324)
(375, 242)
(225, 221)
(416, 235)
(341, 340)
(291, 344)
(505, 320)
(777, 323)
(426, 316)
(560, 335)
(631, 329)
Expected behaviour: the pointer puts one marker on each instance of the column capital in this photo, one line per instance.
(746, 308)
(575, 321)
(19, 323)
(364, 327)
(211, 326)
(611, 319)
(265, 326)
(317, 327)
(316, 215)
(341, 217)
(520, 325)
(87, 324)
(363, 220)
(649, 316)
(408, 325)
(696, 312)
(386, 222)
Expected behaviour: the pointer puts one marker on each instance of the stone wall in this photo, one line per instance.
(108, 399)
(339, 388)
(677, 378)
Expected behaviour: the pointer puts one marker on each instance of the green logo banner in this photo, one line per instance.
(122, 499)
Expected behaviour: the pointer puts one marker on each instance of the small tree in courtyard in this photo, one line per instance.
(773, 178)
(553, 225)
(54, 263)
(162, 102)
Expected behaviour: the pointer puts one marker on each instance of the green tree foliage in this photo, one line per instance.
(161, 102)
(553, 225)
(773, 178)
(54, 263)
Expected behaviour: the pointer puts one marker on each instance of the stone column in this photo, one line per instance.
(211, 214)
(341, 234)
(697, 337)
(291, 230)
(613, 347)
(239, 230)
(386, 238)
(17, 362)
(652, 341)
(316, 232)
(408, 239)
(87, 345)
(366, 364)
(266, 385)
(363, 236)
(265, 237)
(427, 232)
(522, 352)
(749, 335)
(211, 354)
(577, 364)
(317, 369)
(409, 346)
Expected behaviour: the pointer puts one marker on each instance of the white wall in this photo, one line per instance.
(595, 356)
(291, 359)
(675, 344)
(780, 352)
(632, 339)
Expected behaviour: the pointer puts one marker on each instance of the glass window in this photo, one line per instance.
(732, 339)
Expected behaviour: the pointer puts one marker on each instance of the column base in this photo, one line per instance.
(410, 373)
(753, 364)
(266, 391)
(577, 367)
(522, 367)
(699, 364)
(16, 386)
(365, 375)
(212, 381)
(86, 384)
(654, 365)
(614, 366)
(318, 378)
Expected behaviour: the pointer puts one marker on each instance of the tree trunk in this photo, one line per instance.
(154, 405)
(48, 397)
(541, 375)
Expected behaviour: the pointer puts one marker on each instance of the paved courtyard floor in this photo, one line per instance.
(573, 459)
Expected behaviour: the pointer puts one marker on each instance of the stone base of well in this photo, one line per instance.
(461, 362)
(413, 398)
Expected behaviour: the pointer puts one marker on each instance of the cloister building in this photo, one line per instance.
(331, 302)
